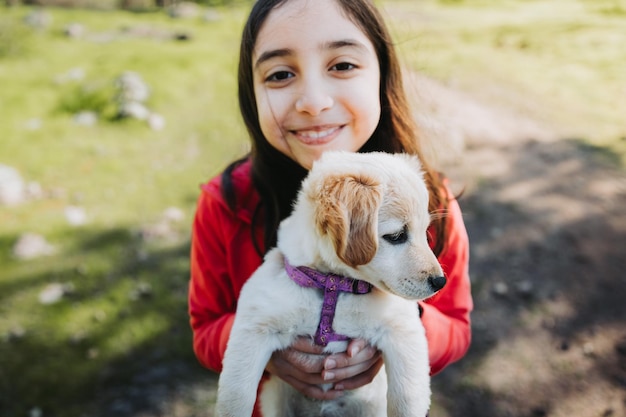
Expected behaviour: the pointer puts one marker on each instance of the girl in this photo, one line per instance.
(314, 75)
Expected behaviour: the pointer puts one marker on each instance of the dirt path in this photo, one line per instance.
(546, 217)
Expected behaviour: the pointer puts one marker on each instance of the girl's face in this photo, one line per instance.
(316, 81)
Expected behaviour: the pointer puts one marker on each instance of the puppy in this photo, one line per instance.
(350, 262)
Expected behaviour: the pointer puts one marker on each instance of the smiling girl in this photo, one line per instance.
(314, 75)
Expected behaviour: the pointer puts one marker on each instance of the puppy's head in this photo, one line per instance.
(372, 212)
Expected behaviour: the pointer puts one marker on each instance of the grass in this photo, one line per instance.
(125, 175)
(126, 313)
(560, 61)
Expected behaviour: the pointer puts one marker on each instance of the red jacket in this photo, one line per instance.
(223, 257)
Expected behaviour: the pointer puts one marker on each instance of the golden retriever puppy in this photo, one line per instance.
(350, 262)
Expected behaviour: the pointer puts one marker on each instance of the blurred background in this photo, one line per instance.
(113, 112)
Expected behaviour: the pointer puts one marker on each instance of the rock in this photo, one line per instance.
(131, 94)
(142, 290)
(35, 412)
(99, 316)
(15, 333)
(121, 407)
(181, 36)
(12, 188)
(131, 88)
(183, 10)
(57, 193)
(211, 15)
(156, 121)
(32, 245)
(500, 288)
(33, 124)
(173, 214)
(134, 110)
(75, 215)
(53, 293)
(78, 338)
(38, 19)
(161, 231)
(74, 30)
(34, 190)
(86, 118)
(525, 288)
(93, 353)
(588, 349)
(73, 74)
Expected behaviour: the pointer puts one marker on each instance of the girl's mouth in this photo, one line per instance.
(317, 135)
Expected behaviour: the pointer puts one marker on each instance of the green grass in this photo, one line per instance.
(124, 175)
(566, 58)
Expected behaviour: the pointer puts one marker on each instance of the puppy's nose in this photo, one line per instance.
(436, 283)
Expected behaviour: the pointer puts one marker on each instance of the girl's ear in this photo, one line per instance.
(346, 209)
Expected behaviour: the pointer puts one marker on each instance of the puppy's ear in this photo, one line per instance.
(347, 211)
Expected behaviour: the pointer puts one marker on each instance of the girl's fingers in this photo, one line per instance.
(356, 354)
(313, 391)
(305, 369)
(351, 371)
(306, 383)
(361, 379)
(355, 346)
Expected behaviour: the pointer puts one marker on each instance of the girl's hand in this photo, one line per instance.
(305, 366)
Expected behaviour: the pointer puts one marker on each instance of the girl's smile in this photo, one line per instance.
(317, 135)
(316, 81)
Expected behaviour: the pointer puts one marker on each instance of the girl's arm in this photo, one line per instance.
(211, 318)
(446, 316)
(216, 280)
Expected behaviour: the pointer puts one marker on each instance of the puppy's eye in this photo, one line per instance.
(398, 237)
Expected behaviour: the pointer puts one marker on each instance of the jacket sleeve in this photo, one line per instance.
(213, 288)
(223, 257)
(212, 297)
(446, 316)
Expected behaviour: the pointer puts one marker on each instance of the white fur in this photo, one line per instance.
(273, 310)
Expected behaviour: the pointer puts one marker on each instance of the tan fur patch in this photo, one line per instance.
(347, 211)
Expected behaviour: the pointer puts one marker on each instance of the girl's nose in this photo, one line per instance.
(313, 99)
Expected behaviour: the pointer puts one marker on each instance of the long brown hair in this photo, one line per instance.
(276, 177)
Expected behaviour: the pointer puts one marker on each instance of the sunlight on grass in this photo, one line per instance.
(128, 296)
(565, 58)
(122, 161)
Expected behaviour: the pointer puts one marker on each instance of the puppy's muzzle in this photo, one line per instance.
(436, 283)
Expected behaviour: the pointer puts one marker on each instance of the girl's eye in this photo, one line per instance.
(343, 66)
(399, 237)
(279, 76)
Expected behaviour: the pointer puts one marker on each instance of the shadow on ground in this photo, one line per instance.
(118, 343)
(548, 235)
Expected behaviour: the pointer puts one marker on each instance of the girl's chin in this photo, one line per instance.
(306, 163)
(306, 160)
(305, 156)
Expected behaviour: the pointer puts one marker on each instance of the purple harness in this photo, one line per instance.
(332, 284)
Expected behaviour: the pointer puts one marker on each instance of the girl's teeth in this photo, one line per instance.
(316, 134)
